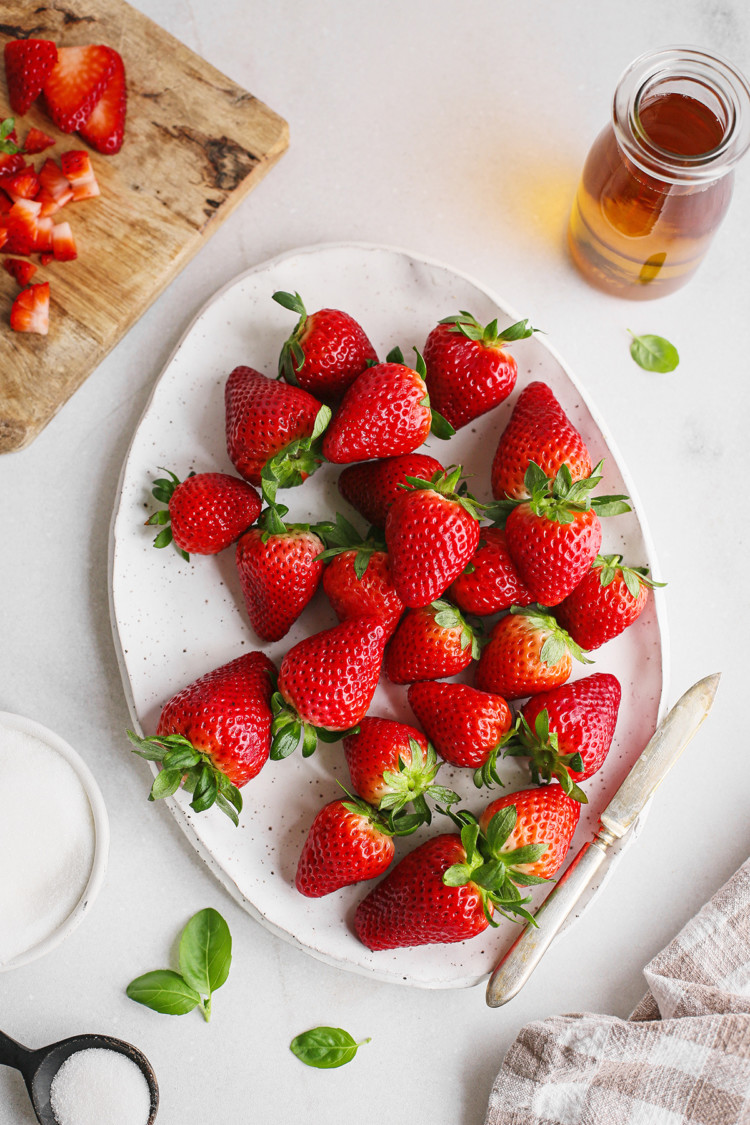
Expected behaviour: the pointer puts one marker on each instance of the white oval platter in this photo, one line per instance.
(174, 620)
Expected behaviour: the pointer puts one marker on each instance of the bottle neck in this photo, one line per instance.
(682, 115)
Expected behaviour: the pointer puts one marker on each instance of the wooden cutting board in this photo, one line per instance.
(195, 145)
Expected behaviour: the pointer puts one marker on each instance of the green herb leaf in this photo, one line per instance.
(654, 353)
(165, 992)
(206, 951)
(325, 1047)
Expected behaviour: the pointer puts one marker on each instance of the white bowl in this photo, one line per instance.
(101, 837)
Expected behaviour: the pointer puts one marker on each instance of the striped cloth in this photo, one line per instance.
(682, 1057)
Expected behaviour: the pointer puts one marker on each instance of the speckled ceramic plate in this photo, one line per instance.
(174, 620)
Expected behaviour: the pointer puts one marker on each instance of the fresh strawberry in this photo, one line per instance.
(23, 184)
(45, 236)
(357, 578)
(205, 513)
(63, 243)
(489, 583)
(21, 224)
(280, 570)
(467, 727)
(540, 431)
(430, 897)
(30, 310)
(469, 372)
(372, 486)
(554, 536)
(104, 128)
(432, 532)
(268, 421)
(567, 732)
(348, 842)
(609, 598)
(214, 735)
(76, 82)
(430, 643)
(28, 63)
(326, 684)
(545, 816)
(384, 413)
(37, 141)
(326, 351)
(55, 190)
(528, 652)
(20, 269)
(11, 157)
(77, 169)
(392, 765)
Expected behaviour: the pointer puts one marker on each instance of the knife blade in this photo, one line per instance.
(653, 764)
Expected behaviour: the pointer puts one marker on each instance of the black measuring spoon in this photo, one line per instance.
(40, 1067)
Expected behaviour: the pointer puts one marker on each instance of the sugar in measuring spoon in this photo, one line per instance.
(72, 1078)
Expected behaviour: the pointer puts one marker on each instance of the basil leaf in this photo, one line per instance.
(325, 1047)
(206, 951)
(654, 353)
(164, 991)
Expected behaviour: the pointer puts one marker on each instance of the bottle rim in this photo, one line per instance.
(697, 69)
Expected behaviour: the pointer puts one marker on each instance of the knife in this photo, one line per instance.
(661, 752)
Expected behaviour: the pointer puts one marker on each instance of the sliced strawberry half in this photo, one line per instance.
(28, 64)
(76, 167)
(76, 82)
(105, 128)
(30, 310)
(20, 268)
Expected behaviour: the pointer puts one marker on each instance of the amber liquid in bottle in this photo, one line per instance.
(634, 234)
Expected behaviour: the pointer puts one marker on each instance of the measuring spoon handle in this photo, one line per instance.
(16, 1055)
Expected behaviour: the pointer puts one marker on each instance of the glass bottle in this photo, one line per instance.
(658, 179)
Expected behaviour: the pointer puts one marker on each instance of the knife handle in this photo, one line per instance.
(512, 972)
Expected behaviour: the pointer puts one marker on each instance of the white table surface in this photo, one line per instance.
(456, 131)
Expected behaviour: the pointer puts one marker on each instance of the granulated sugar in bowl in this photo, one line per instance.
(97, 1086)
(54, 840)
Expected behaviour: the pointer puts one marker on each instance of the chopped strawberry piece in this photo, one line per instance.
(22, 185)
(37, 141)
(76, 166)
(11, 162)
(45, 228)
(30, 310)
(76, 82)
(63, 243)
(55, 190)
(20, 269)
(28, 62)
(21, 223)
(105, 128)
(5, 203)
(45, 259)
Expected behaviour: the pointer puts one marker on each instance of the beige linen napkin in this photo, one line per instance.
(683, 1056)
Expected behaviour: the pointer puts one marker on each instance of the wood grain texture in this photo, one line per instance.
(195, 145)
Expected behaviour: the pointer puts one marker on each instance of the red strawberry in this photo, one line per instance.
(544, 815)
(23, 184)
(77, 169)
(430, 643)
(214, 735)
(490, 582)
(466, 726)
(567, 732)
(554, 537)
(21, 224)
(28, 63)
(55, 190)
(392, 764)
(30, 310)
(429, 896)
(372, 486)
(385, 412)
(104, 128)
(468, 370)
(265, 419)
(347, 843)
(431, 532)
(607, 599)
(37, 141)
(205, 513)
(538, 431)
(326, 684)
(528, 652)
(63, 243)
(21, 270)
(326, 351)
(371, 594)
(279, 571)
(76, 82)
(11, 158)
